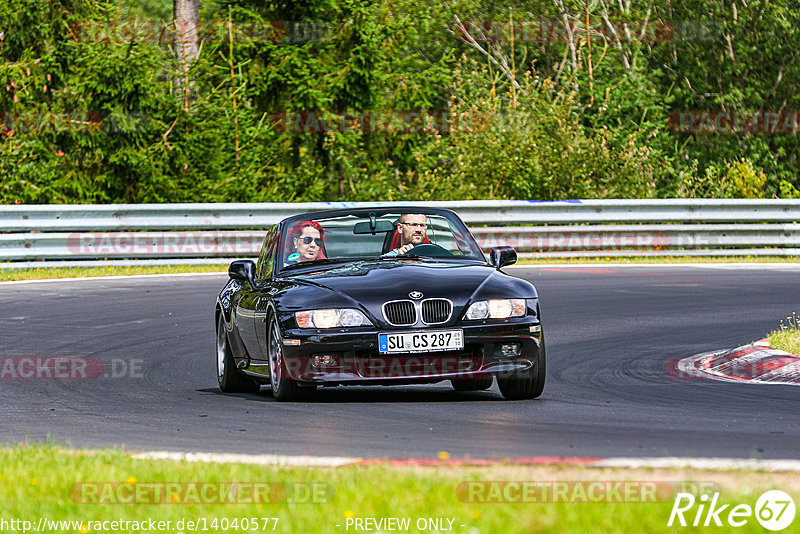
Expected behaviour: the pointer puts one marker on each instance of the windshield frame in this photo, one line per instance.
(452, 218)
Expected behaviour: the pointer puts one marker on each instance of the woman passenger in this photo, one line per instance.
(305, 242)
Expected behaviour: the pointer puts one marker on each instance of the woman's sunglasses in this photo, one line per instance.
(307, 240)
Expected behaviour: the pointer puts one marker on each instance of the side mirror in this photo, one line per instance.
(502, 256)
(243, 270)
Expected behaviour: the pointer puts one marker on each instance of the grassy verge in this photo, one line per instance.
(43, 481)
(42, 273)
(787, 337)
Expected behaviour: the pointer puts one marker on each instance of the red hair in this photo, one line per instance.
(297, 230)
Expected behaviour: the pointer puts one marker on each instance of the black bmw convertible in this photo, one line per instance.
(377, 296)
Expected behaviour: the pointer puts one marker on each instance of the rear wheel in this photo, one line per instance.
(230, 379)
(283, 387)
(527, 384)
(472, 384)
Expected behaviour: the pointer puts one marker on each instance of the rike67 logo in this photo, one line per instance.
(774, 510)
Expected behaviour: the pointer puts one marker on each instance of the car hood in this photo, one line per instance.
(369, 284)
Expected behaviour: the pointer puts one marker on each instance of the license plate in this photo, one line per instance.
(428, 341)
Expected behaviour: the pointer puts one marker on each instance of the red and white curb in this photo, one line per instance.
(577, 461)
(757, 363)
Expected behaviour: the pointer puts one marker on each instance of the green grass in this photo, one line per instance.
(42, 273)
(45, 481)
(787, 337)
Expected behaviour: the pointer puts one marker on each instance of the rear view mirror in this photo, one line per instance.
(502, 256)
(243, 270)
(378, 227)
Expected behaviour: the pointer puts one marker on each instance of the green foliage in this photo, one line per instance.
(734, 58)
(149, 10)
(527, 143)
(43, 479)
(91, 114)
(787, 337)
(737, 179)
(788, 190)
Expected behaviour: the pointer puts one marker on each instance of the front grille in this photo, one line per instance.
(436, 311)
(400, 313)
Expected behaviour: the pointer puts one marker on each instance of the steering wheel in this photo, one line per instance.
(431, 250)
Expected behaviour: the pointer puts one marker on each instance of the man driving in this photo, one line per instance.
(412, 229)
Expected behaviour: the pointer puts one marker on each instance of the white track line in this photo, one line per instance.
(713, 464)
(724, 464)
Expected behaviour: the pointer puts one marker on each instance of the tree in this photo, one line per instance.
(187, 48)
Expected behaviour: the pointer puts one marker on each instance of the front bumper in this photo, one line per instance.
(353, 357)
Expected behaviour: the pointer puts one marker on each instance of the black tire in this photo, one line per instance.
(230, 379)
(283, 387)
(527, 384)
(473, 384)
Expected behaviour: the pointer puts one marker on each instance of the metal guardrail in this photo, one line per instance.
(535, 229)
(52, 218)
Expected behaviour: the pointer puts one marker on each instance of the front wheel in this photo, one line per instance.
(283, 387)
(527, 384)
(230, 379)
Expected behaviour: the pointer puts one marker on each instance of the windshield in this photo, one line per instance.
(377, 235)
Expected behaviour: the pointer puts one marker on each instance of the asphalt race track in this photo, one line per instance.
(611, 333)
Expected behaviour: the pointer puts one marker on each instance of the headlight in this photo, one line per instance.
(331, 318)
(496, 309)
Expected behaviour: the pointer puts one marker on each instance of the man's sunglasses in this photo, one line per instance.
(307, 240)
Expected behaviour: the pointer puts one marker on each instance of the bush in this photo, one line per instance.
(735, 179)
(102, 121)
(523, 144)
